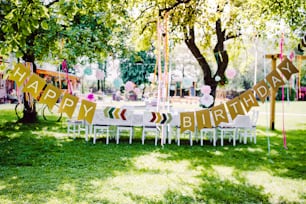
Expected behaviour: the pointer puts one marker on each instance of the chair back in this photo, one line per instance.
(242, 121)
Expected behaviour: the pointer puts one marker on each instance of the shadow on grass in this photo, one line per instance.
(38, 161)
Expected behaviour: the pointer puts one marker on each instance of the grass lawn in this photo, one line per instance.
(39, 163)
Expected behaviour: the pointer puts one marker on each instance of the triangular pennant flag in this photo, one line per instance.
(19, 74)
(262, 90)
(34, 85)
(203, 119)
(50, 96)
(287, 68)
(219, 114)
(68, 104)
(87, 111)
(275, 80)
(234, 107)
(248, 100)
(187, 121)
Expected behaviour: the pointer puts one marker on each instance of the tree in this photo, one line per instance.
(211, 25)
(35, 30)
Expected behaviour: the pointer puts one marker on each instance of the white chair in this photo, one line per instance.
(206, 131)
(73, 126)
(254, 118)
(227, 128)
(148, 126)
(101, 124)
(125, 125)
(243, 127)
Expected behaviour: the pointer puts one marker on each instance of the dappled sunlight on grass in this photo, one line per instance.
(252, 149)
(225, 173)
(278, 187)
(151, 178)
(218, 153)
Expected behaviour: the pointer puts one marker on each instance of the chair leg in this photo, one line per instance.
(117, 136)
(143, 136)
(201, 138)
(178, 136)
(94, 138)
(131, 136)
(107, 136)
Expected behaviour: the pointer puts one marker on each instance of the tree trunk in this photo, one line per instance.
(29, 111)
(220, 55)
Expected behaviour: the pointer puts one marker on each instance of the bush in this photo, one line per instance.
(292, 94)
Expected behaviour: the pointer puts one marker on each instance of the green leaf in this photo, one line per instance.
(44, 25)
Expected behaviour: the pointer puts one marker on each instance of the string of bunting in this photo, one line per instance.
(35, 84)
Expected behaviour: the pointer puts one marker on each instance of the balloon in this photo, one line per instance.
(118, 83)
(91, 97)
(137, 91)
(129, 86)
(230, 73)
(205, 89)
(207, 100)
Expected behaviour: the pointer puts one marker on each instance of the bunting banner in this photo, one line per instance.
(203, 119)
(262, 90)
(161, 118)
(19, 74)
(35, 85)
(87, 111)
(115, 113)
(206, 118)
(219, 114)
(248, 100)
(235, 108)
(68, 104)
(187, 121)
(50, 96)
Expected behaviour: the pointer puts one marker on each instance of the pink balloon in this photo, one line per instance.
(205, 89)
(230, 73)
(129, 86)
(207, 100)
(137, 91)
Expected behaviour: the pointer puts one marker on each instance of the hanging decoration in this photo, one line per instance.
(117, 83)
(207, 100)
(205, 89)
(230, 73)
(129, 86)
(283, 93)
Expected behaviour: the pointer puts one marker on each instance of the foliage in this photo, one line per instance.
(138, 67)
(291, 94)
(61, 29)
(209, 27)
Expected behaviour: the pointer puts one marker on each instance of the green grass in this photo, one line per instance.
(40, 164)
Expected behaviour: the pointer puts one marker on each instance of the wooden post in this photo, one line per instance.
(273, 92)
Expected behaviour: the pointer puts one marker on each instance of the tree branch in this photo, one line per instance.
(178, 2)
(51, 3)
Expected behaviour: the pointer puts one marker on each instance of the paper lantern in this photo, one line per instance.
(205, 89)
(129, 86)
(118, 83)
(230, 73)
(207, 100)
